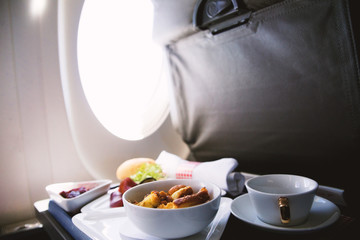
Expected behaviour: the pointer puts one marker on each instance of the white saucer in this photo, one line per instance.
(322, 214)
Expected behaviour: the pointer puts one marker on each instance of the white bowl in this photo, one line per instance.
(171, 223)
(97, 188)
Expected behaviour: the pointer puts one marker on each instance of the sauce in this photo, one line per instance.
(74, 192)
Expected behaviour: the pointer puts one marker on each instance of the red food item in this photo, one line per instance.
(73, 192)
(116, 199)
(126, 184)
(116, 196)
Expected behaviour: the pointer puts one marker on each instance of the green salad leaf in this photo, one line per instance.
(148, 170)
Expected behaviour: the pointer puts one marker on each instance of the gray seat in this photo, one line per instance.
(279, 93)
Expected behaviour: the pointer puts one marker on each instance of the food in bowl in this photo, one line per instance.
(175, 223)
(178, 196)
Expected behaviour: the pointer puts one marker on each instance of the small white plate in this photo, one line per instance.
(112, 223)
(323, 213)
(97, 188)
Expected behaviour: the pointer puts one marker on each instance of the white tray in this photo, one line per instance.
(99, 221)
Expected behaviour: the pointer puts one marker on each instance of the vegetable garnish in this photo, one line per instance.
(148, 170)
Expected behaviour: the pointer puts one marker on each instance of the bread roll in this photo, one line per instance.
(131, 166)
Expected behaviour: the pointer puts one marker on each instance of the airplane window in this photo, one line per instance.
(121, 69)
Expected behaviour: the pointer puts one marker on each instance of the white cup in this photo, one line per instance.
(282, 199)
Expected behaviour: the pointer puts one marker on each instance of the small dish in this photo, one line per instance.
(323, 213)
(96, 189)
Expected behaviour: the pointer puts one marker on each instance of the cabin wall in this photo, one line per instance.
(36, 147)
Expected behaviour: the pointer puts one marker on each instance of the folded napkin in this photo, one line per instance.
(219, 172)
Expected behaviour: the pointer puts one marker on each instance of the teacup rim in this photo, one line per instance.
(316, 185)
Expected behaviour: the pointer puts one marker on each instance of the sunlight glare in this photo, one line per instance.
(37, 7)
(120, 67)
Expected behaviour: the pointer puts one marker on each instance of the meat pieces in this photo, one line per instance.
(179, 196)
(152, 200)
(187, 190)
(193, 199)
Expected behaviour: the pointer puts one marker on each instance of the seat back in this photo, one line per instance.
(280, 93)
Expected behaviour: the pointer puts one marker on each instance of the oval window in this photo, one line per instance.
(121, 68)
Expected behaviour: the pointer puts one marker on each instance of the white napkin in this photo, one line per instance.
(219, 172)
